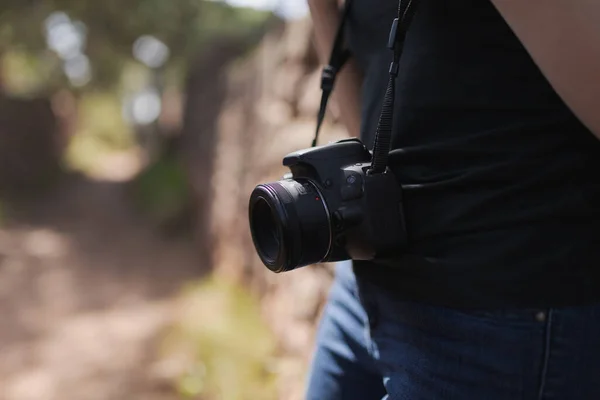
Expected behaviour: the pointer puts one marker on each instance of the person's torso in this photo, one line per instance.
(501, 181)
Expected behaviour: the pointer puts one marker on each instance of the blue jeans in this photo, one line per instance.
(371, 346)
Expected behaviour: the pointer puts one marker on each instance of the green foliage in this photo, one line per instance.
(101, 131)
(17, 19)
(26, 74)
(221, 328)
(114, 25)
(161, 191)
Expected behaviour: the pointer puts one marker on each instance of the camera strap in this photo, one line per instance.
(339, 56)
(383, 135)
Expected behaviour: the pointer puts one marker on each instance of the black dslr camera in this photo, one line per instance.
(331, 209)
(341, 202)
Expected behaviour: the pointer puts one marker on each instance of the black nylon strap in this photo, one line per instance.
(339, 57)
(383, 136)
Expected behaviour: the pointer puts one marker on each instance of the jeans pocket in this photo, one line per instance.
(425, 351)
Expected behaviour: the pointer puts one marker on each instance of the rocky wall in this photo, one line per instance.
(269, 108)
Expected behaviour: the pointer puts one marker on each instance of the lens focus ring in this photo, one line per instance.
(290, 224)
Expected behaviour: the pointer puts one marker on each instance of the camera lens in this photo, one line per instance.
(266, 229)
(290, 224)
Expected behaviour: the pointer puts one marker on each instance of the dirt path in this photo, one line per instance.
(85, 288)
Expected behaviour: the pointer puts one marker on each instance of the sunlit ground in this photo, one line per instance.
(97, 304)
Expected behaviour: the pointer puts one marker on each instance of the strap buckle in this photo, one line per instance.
(397, 35)
(328, 78)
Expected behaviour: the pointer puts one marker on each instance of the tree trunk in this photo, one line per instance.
(205, 93)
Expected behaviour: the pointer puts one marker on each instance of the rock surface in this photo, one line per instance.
(269, 110)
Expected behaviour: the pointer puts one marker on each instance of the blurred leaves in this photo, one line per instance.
(27, 73)
(220, 328)
(114, 25)
(101, 131)
(161, 191)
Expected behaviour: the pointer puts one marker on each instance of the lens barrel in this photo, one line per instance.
(290, 224)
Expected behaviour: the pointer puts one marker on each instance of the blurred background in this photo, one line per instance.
(131, 134)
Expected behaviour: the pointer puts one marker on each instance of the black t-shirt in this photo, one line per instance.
(501, 180)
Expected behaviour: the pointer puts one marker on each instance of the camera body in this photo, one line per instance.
(330, 209)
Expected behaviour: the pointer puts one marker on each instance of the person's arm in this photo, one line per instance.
(346, 94)
(563, 38)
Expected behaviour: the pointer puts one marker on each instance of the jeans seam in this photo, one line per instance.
(546, 361)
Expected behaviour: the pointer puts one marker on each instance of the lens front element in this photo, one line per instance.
(290, 224)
